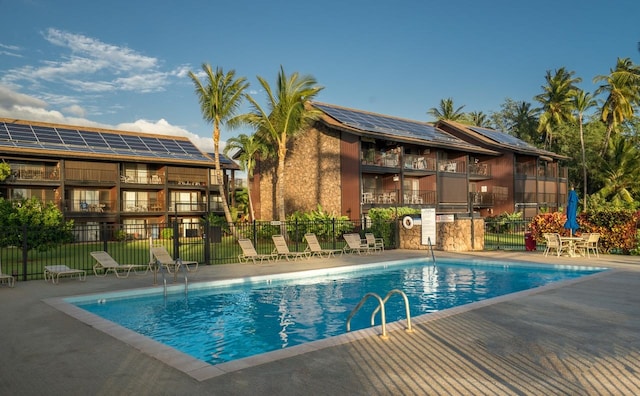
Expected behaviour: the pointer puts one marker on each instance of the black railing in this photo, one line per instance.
(202, 242)
(505, 234)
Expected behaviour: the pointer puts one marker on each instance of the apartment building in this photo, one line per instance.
(142, 181)
(351, 161)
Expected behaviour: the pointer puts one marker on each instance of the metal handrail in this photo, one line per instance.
(433, 256)
(406, 305)
(362, 301)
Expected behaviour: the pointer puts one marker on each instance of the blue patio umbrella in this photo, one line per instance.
(572, 210)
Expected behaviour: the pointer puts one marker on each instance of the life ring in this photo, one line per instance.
(407, 222)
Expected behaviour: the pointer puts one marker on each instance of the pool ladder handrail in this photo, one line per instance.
(381, 309)
(184, 270)
(433, 256)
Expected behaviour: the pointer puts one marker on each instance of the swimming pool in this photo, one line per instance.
(222, 321)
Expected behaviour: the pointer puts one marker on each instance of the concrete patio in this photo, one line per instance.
(580, 337)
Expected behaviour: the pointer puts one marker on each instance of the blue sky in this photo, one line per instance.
(123, 64)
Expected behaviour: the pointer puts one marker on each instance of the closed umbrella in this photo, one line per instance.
(572, 210)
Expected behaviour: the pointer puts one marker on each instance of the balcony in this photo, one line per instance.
(142, 206)
(31, 173)
(388, 159)
(90, 175)
(419, 162)
(452, 166)
(480, 171)
(141, 179)
(88, 206)
(391, 197)
(482, 199)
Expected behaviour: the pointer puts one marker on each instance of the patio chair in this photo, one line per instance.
(355, 244)
(54, 272)
(314, 247)
(376, 243)
(589, 244)
(105, 264)
(164, 259)
(554, 242)
(6, 278)
(249, 252)
(282, 249)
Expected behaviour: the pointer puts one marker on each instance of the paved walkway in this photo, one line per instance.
(582, 337)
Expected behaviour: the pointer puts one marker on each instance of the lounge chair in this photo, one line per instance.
(249, 252)
(164, 259)
(315, 249)
(355, 244)
(282, 249)
(54, 272)
(106, 263)
(376, 243)
(6, 278)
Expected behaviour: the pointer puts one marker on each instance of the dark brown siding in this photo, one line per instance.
(350, 175)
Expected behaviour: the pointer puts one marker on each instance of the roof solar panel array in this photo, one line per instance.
(503, 138)
(105, 143)
(388, 125)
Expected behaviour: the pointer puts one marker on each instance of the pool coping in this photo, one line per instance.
(201, 370)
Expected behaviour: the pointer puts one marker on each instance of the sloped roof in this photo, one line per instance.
(495, 139)
(38, 138)
(394, 129)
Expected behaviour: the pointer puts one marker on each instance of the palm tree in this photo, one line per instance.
(582, 102)
(287, 115)
(479, 119)
(622, 86)
(248, 147)
(446, 111)
(557, 103)
(619, 172)
(219, 101)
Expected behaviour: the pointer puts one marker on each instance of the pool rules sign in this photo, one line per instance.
(428, 220)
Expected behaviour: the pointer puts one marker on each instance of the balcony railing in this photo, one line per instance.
(419, 162)
(452, 166)
(141, 179)
(482, 199)
(90, 175)
(480, 170)
(142, 206)
(34, 173)
(81, 205)
(380, 158)
(415, 197)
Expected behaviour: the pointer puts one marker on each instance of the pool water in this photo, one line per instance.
(226, 320)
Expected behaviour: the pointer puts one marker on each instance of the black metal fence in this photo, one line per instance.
(205, 243)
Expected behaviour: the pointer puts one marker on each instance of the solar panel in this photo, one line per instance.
(47, 135)
(502, 138)
(104, 143)
(388, 125)
(71, 136)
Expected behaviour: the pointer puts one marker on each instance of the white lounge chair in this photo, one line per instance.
(105, 263)
(249, 252)
(355, 244)
(6, 278)
(54, 272)
(314, 247)
(282, 249)
(377, 244)
(554, 242)
(164, 259)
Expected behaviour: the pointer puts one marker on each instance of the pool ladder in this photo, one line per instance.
(380, 307)
(433, 256)
(184, 271)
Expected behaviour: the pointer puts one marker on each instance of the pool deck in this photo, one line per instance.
(580, 337)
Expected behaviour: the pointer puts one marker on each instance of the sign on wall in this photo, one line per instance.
(428, 224)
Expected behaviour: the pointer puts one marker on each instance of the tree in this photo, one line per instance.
(622, 87)
(618, 171)
(5, 171)
(219, 101)
(517, 119)
(557, 102)
(44, 224)
(446, 111)
(582, 102)
(286, 116)
(479, 119)
(248, 147)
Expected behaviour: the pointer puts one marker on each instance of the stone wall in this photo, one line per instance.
(450, 237)
(312, 175)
